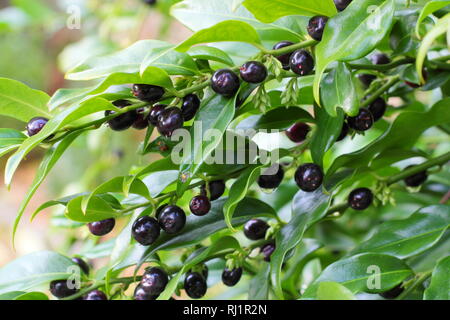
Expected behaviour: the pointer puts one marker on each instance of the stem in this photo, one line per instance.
(291, 48)
(421, 279)
(382, 67)
(392, 81)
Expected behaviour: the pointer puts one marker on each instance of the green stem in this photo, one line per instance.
(291, 48)
(421, 279)
(391, 82)
(382, 67)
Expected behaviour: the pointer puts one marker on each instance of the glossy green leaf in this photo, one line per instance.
(439, 288)
(282, 118)
(429, 8)
(210, 53)
(260, 284)
(63, 201)
(10, 137)
(97, 209)
(32, 296)
(333, 291)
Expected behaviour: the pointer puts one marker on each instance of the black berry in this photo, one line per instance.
(169, 120)
(35, 125)
(150, 2)
(145, 230)
(216, 189)
(271, 181)
(160, 208)
(416, 179)
(100, 228)
(360, 199)
(393, 293)
(141, 121)
(267, 251)
(225, 82)
(200, 205)
(298, 132)
(147, 92)
(195, 285)
(362, 122)
(231, 277)
(344, 132)
(60, 289)
(123, 121)
(380, 58)
(342, 4)
(191, 103)
(95, 295)
(253, 72)
(309, 177)
(377, 109)
(154, 113)
(82, 264)
(301, 62)
(172, 219)
(284, 59)
(255, 229)
(141, 294)
(316, 27)
(366, 79)
(154, 281)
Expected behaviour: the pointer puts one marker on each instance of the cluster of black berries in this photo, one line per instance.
(300, 61)
(256, 229)
(152, 284)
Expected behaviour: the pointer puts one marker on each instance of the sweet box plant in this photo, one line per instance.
(357, 205)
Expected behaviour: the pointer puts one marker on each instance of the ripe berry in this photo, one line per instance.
(150, 2)
(35, 125)
(231, 277)
(271, 181)
(284, 59)
(200, 205)
(95, 295)
(147, 92)
(362, 122)
(301, 62)
(342, 4)
(393, 293)
(309, 177)
(344, 132)
(155, 111)
(154, 281)
(60, 289)
(191, 103)
(225, 82)
(255, 229)
(123, 121)
(416, 179)
(100, 228)
(141, 121)
(380, 58)
(195, 285)
(169, 120)
(366, 79)
(172, 219)
(82, 264)
(145, 230)
(316, 26)
(377, 109)
(216, 189)
(253, 72)
(141, 294)
(203, 269)
(298, 132)
(360, 199)
(160, 208)
(267, 251)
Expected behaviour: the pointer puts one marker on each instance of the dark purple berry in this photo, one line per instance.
(60, 289)
(154, 113)
(309, 177)
(231, 277)
(172, 219)
(366, 79)
(35, 125)
(393, 293)
(100, 228)
(267, 251)
(272, 181)
(160, 208)
(82, 264)
(216, 189)
(416, 179)
(200, 205)
(147, 92)
(301, 62)
(377, 109)
(225, 82)
(154, 281)
(362, 122)
(344, 132)
(95, 295)
(141, 121)
(380, 58)
(169, 120)
(150, 2)
(342, 4)
(298, 132)
(316, 27)
(253, 72)
(191, 104)
(255, 229)
(360, 199)
(284, 59)
(145, 230)
(141, 294)
(195, 285)
(123, 121)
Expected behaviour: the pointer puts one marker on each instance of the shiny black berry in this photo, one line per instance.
(344, 132)
(100, 228)
(301, 62)
(160, 208)
(284, 59)
(123, 121)
(141, 121)
(145, 230)
(255, 229)
(95, 295)
(416, 179)
(231, 277)
(267, 251)
(172, 219)
(393, 293)
(216, 189)
(82, 264)
(154, 280)
(362, 122)
(190, 106)
(147, 92)
(316, 27)
(154, 113)
(35, 125)
(200, 205)
(309, 177)
(360, 199)
(253, 72)
(195, 285)
(342, 4)
(225, 82)
(298, 132)
(150, 2)
(377, 109)
(60, 289)
(366, 79)
(271, 181)
(141, 294)
(169, 120)
(380, 58)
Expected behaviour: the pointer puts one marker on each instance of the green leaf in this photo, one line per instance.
(271, 10)
(282, 118)
(333, 291)
(260, 284)
(63, 201)
(64, 96)
(429, 8)
(210, 53)
(411, 236)
(352, 34)
(307, 208)
(10, 137)
(439, 288)
(32, 296)
(230, 30)
(20, 102)
(98, 209)
(33, 270)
